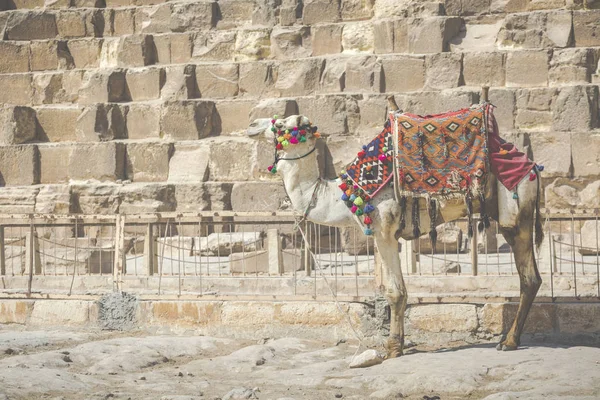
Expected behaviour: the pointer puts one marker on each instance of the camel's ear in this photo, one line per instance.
(259, 126)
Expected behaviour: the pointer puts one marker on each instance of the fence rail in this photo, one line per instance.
(242, 253)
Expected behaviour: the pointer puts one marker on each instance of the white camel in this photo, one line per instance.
(319, 201)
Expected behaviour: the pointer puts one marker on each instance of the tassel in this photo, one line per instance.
(402, 213)
(469, 203)
(432, 224)
(415, 218)
(485, 219)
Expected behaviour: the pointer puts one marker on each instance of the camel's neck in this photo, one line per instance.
(301, 179)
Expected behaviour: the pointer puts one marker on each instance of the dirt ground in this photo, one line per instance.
(108, 365)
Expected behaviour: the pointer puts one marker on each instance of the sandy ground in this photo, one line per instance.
(105, 365)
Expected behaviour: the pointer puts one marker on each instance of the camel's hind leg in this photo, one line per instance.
(520, 237)
(395, 291)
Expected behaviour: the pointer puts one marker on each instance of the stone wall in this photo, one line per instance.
(138, 105)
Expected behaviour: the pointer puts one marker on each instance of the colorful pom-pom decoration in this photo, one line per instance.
(280, 139)
(345, 197)
(272, 121)
(368, 231)
(353, 209)
(503, 152)
(532, 176)
(358, 201)
(368, 221)
(269, 168)
(384, 149)
(359, 212)
(273, 169)
(302, 139)
(361, 154)
(273, 129)
(515, 196)
(343, 186)
(352, 198)
(349, 192)
(317, 135)
(382, 157)
(293, 140)
(369, 209)
(539, 167)
(285, 143)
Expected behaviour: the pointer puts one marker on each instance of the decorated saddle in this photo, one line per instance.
(435, 156)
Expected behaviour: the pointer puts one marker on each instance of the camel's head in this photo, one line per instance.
(291, 135)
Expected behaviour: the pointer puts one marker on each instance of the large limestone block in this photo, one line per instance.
(98, 161)
(505, 102)
(425, 103)
(553, 151)
(48, 88)
(103, 86)
(258, 196)
(358, 38)
(145, 83)
(268, 108)
(180, 83)
(258, 79)
(187, 120)
(319, 11)
(101, 122)
(137, 198)
(578, 318)
(18, 200)
(484, 68)
(467, 7)
(143, 121)
(586, 28)
(498, 318)
(299, 77)
(163, 48)
(224, 244)
(571, 66)
(71, 24)
(534, 108)
(234, 13)
(181, 47)
(390, 36)
(54, 163)
(217, 80)
(232, 160)
(97, 198)
(18, 165)
(136, 51)
(199, 15)
(356, 9)
(148, 162)
(85, 52)
(189, 163)
(536, 30)
(443, 70)
(16, 89)
(61, 313)
(333, 76)
(291, 42)
(433, 35)
(576, 108)
(44, 55)
(327, 39)
(58, 123)
(586, 147)
(15, 57)
(123, 21)
(252, 45)
(214, 46)
(403, 73)
(233, 116)
(191, 197)
(363, 74)
(153, 19)
(527, 68)
(328, 113)
(17, 125)
(478, 35)
(31, 25)
(446, 318)
(15, 312)
(289, 12)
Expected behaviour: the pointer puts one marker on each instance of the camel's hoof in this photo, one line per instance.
(499, 346)
(393, 354)
(506, 347)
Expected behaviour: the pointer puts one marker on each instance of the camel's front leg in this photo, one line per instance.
(395, 292)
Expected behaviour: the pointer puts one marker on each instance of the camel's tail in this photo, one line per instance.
(539, 230)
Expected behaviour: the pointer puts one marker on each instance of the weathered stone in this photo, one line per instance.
(366, 359)
(54, 163)
(187, 119)
(136, 51)
(101, 122)
(234, 115)
(234, 13)
(586, 28)
(180, 83)
(108, 161)
(31, 25)
(223, 167)
(213, 46)
(358, 38)
(44, 55)
(257, 262)
(291, 42)
(97, 198)
(571, 66)
(589, 246)
(443, 318)
(191, 198)
(390, 8)
(363, 74)
(71, 83)
(153, 19)
(327, 39)
(498, 318)
(467, 7)
(536, 30)
(505, 102)
(258, 79)
(425, 103)
(257, 196)
(163, 49)
(353, 242)
(181, 47)
(18, 200)
(18, 165)
(252, 45)
(478, 35)
(17, 125)
(269, 107)
(299, 77)
(189, 163)
(123, 21)
(576, 108)
(71, 24)
(61, 313)
(48, 88)
(403, 73)
(327, 112)
(443, 70)
(433, 35)
(534, 108)
(333, 76)
(15, 57)
(58, 124)
(148, 162)
(224, 244)
(103, 86)
(484, 69)
(578, 318)
(85, 52)
(15, 312)
(288, 14)
(143, 122)
(356, 9)
(109, 52)
(527, 68)
(586, 154)
(383, 36)
(553, 151)
(217, 80)
(16, 89)
(144, 84)
(199, 15)
(449, 240)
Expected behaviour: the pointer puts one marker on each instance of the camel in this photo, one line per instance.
(318, 200)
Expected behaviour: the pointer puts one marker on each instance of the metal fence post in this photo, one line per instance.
(150, 251)
(119, 251)
(474, 259)
(2, 252)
